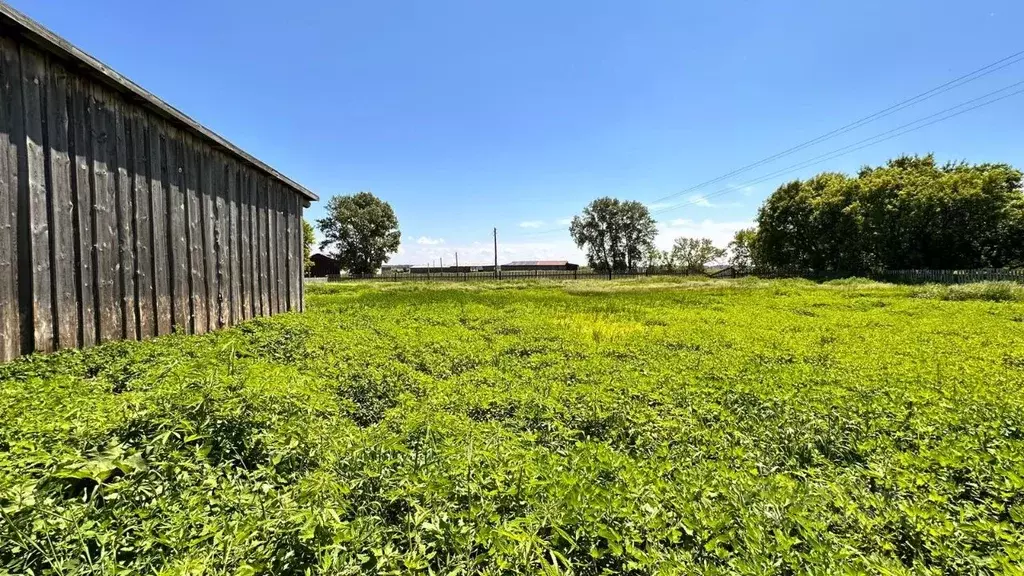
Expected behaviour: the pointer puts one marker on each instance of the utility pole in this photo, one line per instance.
(495, 252)
(456, 261)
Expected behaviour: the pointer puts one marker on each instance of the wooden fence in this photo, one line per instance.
(120, 218)
(895, 276)
(466, 276)
(951, 276)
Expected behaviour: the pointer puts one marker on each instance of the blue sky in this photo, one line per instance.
(467, 115)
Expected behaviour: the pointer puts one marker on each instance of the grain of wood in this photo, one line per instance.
(273, 239)
(10, 120)
(125, 220)
(282, 252)
(157, 172)
(62, 230)
(106, 262)
(245, 249)
(234, 249)
(293, 288)
(142, 201)
(223, 179)
(179, 272)
(195, 238)
(254, 252)
(264, 252)
(209, 255)
(33, 90)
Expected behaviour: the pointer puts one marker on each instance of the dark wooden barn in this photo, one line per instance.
(323, 266)
(122, 218)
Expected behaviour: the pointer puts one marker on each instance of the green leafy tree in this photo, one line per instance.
(360, 231)
(658, 260)
(742, 250)
(307, 245)
(909, 213)
(693, 254)
(617, 235)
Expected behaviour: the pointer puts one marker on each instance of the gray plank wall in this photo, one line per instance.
(118, 223)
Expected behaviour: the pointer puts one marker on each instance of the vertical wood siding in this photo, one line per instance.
(116, 223)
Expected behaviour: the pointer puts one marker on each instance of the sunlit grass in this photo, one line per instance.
(643, 426)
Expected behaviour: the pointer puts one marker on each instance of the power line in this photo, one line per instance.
(942, 88)
(867, 142)
(907, 128)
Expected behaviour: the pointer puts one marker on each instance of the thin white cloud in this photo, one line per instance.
(531, 224)
(428, 241)
(701, 200)
(564, 221)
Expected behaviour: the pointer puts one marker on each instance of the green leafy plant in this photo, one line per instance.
(657, 426)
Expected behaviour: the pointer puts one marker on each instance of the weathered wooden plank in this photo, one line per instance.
(209, 188)
(245, 250)
(142, 201)
(299, 261)
(11, 132)
(281, 250)
(234, 248)
(156, 157)
(195, 238)
(302, 251)
(80, 119)
(125, 220)
(273, 239)
(179, 273)
(33, 83)
(62, 231)
(264, 253)
(254, 251)
(289, 214)
(220, 238)
(108, 282)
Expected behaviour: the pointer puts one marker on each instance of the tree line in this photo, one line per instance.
(910, 213)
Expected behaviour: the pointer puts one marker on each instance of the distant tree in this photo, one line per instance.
(307, 245)
(693, 254)
(616, 235)
(909, 213)
(742, 250)
(360, 232)
(659, 260)
(639, 230)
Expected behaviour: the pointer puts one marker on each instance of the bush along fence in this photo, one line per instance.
(952, 276)
(895, 276)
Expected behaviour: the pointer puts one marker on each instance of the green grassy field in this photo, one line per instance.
(675, 427)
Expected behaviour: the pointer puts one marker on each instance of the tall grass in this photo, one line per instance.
(990, 291)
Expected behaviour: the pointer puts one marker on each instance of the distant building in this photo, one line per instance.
(540, 265)
(518, 266)
(323, 266)
(469, 268)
